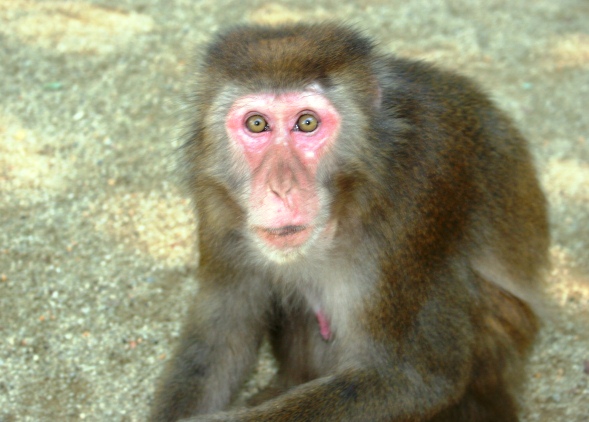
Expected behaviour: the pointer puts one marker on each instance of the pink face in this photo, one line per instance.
(283, 138)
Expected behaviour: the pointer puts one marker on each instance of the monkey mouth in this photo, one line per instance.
(285, 237)
(285, 231)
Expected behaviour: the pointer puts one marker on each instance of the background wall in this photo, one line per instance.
(95, 237)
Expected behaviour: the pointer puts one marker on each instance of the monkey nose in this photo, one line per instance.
(283, 192)
(281, 181)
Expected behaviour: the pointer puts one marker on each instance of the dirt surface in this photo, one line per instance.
(95, 236)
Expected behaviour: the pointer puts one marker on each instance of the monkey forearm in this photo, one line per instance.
(198, 380)
(218, 342)
(356, 395)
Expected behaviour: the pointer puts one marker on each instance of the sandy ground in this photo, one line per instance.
(96, 241)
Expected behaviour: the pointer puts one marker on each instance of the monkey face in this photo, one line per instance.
(282, 138)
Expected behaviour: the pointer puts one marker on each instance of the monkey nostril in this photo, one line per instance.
(281, 192)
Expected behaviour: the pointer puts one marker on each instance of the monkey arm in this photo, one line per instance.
(218, 347)
(413, 378)
(397, 394)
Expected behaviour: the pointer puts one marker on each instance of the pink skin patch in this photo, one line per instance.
(324, 328)
(283, 159)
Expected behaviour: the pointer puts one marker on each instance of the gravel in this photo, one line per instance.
(96, 255)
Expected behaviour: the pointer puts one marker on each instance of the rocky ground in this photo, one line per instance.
(96, 238)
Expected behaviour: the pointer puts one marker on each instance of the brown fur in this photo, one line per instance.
(440, 244)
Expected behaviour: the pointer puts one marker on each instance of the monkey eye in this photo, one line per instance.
(256, 123)
(307, 123)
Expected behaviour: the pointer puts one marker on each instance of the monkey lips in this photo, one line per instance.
(285, 237)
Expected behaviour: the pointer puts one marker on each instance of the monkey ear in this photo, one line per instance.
(377, 102)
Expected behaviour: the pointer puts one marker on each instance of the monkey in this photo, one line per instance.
(376, 219)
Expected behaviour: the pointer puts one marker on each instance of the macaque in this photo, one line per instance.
(378, 220)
